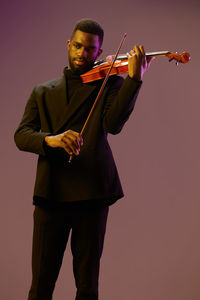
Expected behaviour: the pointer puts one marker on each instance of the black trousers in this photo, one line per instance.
(50, 236)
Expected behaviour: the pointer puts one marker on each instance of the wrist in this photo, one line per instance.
(48, 140)
(135, 79)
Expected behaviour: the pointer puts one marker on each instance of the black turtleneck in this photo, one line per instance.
(73, 82)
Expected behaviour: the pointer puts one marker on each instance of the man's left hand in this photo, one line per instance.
(138, 63)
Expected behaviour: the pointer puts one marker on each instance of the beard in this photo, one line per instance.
(78, 69)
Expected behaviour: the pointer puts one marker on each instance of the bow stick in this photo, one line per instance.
(100, 92)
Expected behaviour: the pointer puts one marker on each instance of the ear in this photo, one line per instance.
(68, 44)
(99, 52)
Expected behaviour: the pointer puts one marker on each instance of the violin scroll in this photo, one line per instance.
(179, 58)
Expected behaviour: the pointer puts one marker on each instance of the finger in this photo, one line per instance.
(70, 139)
(71, 142)
(76, 140)
(136, 49)
(69, 148)
(68, 151)
(80, 139)
(109, 59)
(78, 136)
(142, 50)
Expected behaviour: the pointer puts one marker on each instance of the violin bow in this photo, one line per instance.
(100, 91)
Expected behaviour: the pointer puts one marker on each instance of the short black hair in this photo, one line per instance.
(89, 26)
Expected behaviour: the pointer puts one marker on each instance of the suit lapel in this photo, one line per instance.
(60, 112)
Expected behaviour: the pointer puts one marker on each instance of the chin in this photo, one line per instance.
(79, 70)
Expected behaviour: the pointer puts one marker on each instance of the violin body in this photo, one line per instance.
(101, 71)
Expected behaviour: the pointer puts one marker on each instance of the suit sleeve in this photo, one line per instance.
(120, 103)
(28, 136)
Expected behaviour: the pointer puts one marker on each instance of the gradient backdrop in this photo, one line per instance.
(152, 246)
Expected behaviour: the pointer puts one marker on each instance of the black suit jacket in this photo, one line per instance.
(93, 174)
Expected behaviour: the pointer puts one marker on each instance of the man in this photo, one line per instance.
(75, 197)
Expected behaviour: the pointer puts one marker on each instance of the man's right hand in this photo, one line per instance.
(70, 141)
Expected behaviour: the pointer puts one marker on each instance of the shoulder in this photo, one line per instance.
(51, 84)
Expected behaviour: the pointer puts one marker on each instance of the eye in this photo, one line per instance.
(77, 46)
(90, 49)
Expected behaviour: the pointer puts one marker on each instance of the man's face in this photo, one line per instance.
(83, 50)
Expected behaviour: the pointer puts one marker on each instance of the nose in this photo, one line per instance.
(82, 52)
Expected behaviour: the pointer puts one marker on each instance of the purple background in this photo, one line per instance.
(152, 246)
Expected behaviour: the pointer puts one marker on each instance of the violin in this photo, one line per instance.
(120, 66)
